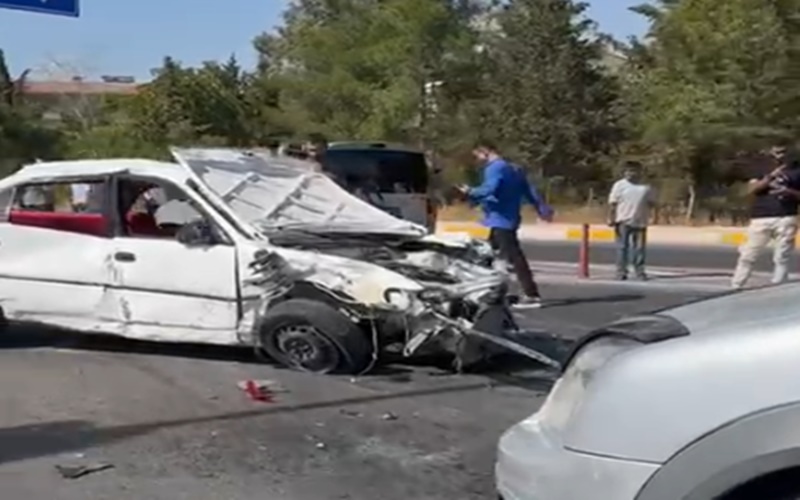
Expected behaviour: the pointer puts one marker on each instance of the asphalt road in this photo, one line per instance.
(174, 425)
(692, 257)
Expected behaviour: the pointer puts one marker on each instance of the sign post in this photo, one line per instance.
(69, 8)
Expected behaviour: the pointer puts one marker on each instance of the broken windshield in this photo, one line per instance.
(278, 194)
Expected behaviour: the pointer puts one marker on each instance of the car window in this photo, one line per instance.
(6, 200)
(154, 210)
(381, 170)
(63, 197)
(67, 206)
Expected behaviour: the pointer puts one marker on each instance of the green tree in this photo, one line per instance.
(715, 80)
(23, 137)
(553, 103)
(358, 68)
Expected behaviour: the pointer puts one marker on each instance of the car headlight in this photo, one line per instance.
(398, 298)
(569, 390)
(434, 295)
(595, 351)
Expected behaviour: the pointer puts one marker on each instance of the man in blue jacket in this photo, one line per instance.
(504, 189)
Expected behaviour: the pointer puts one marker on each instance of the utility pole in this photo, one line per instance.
(428, 109)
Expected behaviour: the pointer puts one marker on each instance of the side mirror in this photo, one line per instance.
(196, 233)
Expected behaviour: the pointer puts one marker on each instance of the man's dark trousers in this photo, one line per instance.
(506, 243)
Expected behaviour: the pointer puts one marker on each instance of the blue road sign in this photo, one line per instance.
(69, 8)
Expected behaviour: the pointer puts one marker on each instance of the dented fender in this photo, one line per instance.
(366, 283)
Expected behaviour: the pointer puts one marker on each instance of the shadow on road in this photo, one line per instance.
(39, 440)
(32, 336)
(395, 366)
(629, 297)
(721, 274)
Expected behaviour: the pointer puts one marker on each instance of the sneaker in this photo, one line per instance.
(641, 277)
(621, 277)
(528, 303)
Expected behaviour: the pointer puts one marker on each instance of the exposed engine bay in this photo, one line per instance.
(463, 308)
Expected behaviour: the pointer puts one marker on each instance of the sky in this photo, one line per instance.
(117, 37)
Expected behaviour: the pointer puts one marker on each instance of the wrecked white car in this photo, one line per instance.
(184, 253)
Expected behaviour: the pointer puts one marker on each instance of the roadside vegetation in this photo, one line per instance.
(710, 85)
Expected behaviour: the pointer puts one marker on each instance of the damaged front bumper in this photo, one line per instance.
(472, 323)
(439, 304)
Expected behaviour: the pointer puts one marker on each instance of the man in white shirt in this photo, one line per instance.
(629, 206)
(80, 196)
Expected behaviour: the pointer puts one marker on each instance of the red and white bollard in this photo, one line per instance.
(583, 256)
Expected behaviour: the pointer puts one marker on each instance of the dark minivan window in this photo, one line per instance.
(392, 171)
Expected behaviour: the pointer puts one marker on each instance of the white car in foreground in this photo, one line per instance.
(697, 402)
(183, 252)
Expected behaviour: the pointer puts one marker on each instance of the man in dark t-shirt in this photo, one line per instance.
(773, 216)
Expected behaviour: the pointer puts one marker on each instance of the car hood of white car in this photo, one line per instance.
(278, 194)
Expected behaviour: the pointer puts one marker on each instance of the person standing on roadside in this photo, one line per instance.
(629, 204)
(501, 195)
(773, 216)
(317, 150)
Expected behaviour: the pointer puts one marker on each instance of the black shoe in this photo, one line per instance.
(621, 277)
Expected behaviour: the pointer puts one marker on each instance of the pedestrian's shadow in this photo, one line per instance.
(718, 274)
(629, 297)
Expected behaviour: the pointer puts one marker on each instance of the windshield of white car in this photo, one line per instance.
(232, 221)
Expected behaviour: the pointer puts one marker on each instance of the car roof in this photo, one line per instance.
(100, 167)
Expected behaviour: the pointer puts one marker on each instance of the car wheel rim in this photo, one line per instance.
(303, 347)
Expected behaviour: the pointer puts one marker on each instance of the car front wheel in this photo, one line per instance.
(314, 337)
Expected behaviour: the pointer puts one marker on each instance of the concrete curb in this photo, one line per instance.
(634, 285)
(670, 235)
(664, 279)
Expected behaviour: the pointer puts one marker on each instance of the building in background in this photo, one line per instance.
(58, 98)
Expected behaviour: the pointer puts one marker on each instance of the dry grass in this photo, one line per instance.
(564, 215)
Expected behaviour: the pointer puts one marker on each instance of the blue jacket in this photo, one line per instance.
(505, 188)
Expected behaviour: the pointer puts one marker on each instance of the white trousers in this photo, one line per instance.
(761, 231)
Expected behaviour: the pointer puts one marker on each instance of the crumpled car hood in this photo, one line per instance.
(277, 194)
(368, 282)
(284, 197)
(363, 281)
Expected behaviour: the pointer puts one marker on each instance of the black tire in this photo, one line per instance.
(782, 485)
(312, 336)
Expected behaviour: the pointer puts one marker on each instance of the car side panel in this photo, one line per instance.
(56, 277)
(177, 293)
(749, 448)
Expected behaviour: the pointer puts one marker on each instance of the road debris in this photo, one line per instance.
(263, 391)
(78, 471)
(351, 413)
(389, 416)
(321, 446)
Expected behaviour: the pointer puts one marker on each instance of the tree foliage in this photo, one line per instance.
(710, 83)
(551, 99)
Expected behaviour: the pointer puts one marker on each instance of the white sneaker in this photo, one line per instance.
(526, 302)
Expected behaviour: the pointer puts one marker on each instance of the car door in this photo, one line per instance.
(54, 258)
(171, 291)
